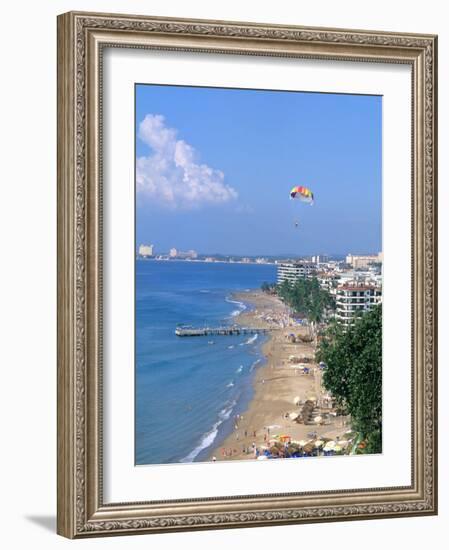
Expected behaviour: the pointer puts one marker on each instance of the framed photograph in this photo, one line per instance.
(247, 278)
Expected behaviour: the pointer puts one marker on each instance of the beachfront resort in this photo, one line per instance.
(311, 313)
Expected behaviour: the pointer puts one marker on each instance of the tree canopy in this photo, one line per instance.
(306, 297)
(354, 373)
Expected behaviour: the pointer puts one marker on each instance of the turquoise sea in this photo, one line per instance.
(188, 390)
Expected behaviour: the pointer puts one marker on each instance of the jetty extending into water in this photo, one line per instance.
(219, 331)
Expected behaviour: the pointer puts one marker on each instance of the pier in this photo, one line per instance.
(219, 331)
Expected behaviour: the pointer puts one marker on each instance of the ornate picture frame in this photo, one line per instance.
(82, 39)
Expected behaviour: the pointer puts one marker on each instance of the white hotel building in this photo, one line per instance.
(146, 250)
(293, 271)
(355, 298)
(361, 262)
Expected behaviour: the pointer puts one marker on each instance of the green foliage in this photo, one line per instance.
(307, 298)
(374, 442)
(354, 373)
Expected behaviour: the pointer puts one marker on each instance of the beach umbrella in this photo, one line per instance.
(319, 443)
(330, 446)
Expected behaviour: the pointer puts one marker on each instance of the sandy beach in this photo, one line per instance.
(278, 385)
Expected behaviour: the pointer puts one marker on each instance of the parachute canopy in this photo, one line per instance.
(302, 193)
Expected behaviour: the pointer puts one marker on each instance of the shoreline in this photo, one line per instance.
(278, 385)
(191, 261)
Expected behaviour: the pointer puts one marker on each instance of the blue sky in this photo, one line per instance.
(214, 168)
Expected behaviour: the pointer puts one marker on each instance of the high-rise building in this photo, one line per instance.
(292, 271)
(353, 299)
(320, 259)
(146, 250)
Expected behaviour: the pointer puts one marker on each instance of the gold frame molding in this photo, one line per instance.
(81, 39)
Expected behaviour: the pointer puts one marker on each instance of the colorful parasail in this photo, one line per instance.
(302, 193)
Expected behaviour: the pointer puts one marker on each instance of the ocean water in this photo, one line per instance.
(188, 390)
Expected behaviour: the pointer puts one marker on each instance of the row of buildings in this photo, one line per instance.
(147, 251)
(356, 284)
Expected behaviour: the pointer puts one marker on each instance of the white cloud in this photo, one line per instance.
(171, 175)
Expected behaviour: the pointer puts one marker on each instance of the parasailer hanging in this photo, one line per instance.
(304, 194)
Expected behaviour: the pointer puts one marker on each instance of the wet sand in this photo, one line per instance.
(277, 384)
